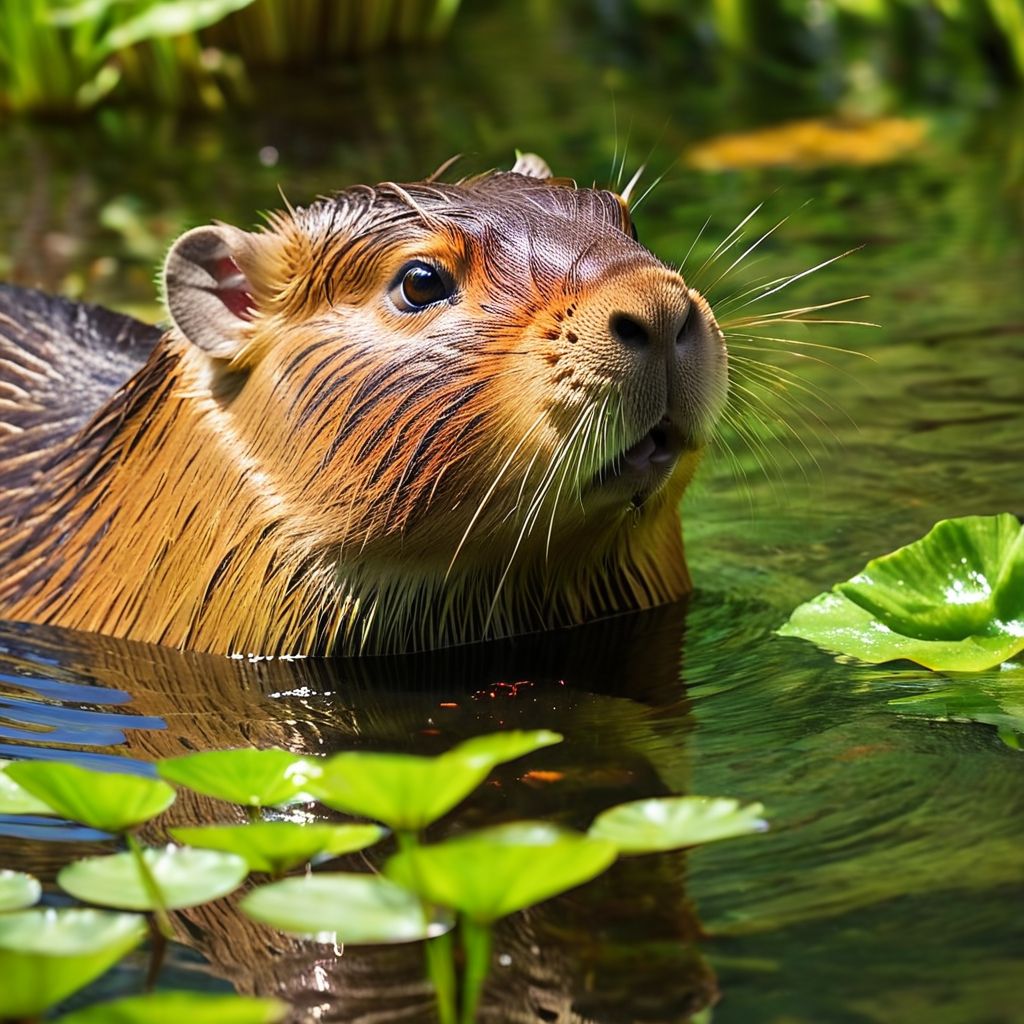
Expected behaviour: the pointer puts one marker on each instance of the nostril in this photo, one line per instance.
(627, 330)
(684, 327)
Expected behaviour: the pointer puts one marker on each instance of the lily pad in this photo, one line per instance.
(498, 747)
(45, 955)
(175, 1007)
(278, 846)
(185, 878)
(18, 890)
(671, 823)
(108, 801)
(15, 800)
(407, 792)
(953, 600)
(253, 778)
(340, 907)
(497, 871)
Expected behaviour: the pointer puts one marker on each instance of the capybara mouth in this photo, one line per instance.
(648, 462)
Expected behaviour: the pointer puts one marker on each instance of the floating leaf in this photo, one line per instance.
(45, 955)
(108, 801)
(498, 747)
(15, 800)
(185, 878)
(278, 846)
(18, 890)
(670, 823)
(253, 778)
(175, 1007)
(496, 871)
(353, 908)
(407, 792)
(812, 142)
(952, 600)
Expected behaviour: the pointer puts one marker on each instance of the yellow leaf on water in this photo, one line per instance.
(812, 142)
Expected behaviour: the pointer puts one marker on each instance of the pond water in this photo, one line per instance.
(889, 887)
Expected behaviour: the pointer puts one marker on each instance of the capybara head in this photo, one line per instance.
(490, 378)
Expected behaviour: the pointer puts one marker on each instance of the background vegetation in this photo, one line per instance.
(67, 55)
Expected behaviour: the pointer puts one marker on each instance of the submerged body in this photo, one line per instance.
(404, 417)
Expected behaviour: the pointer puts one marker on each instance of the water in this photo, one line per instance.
(889, 887)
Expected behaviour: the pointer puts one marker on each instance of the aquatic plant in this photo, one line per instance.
(953, 600)
(45, 955)
(252, 778)
(406, 792)
(351, 908)
(492, 873)
(16, 800)
(470, 880)
(481, 876)
(277, 847)
(670, 823)
(160, 879)
(108, 801)
(115, 802)
(175, 1007)
(18, 890)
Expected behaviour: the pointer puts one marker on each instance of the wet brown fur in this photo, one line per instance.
(355, 479)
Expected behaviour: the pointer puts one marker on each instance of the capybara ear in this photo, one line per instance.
(531, 166)
(207, 292)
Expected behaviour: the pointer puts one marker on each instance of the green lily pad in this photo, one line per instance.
(108, 801)
(353, 908)
(18, 890)
(953, 600)
(175, 1007)
(15, 800)
(671, 823)
(407, 792)
(185, 878)
(498, 747)
(497, 871)
(278, 846)
(253, 778)
(45, 955)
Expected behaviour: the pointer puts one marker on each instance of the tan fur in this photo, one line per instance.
(357, 479)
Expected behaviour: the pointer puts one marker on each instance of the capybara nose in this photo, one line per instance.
(658, 325)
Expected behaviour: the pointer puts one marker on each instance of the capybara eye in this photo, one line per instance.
(419, 285)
